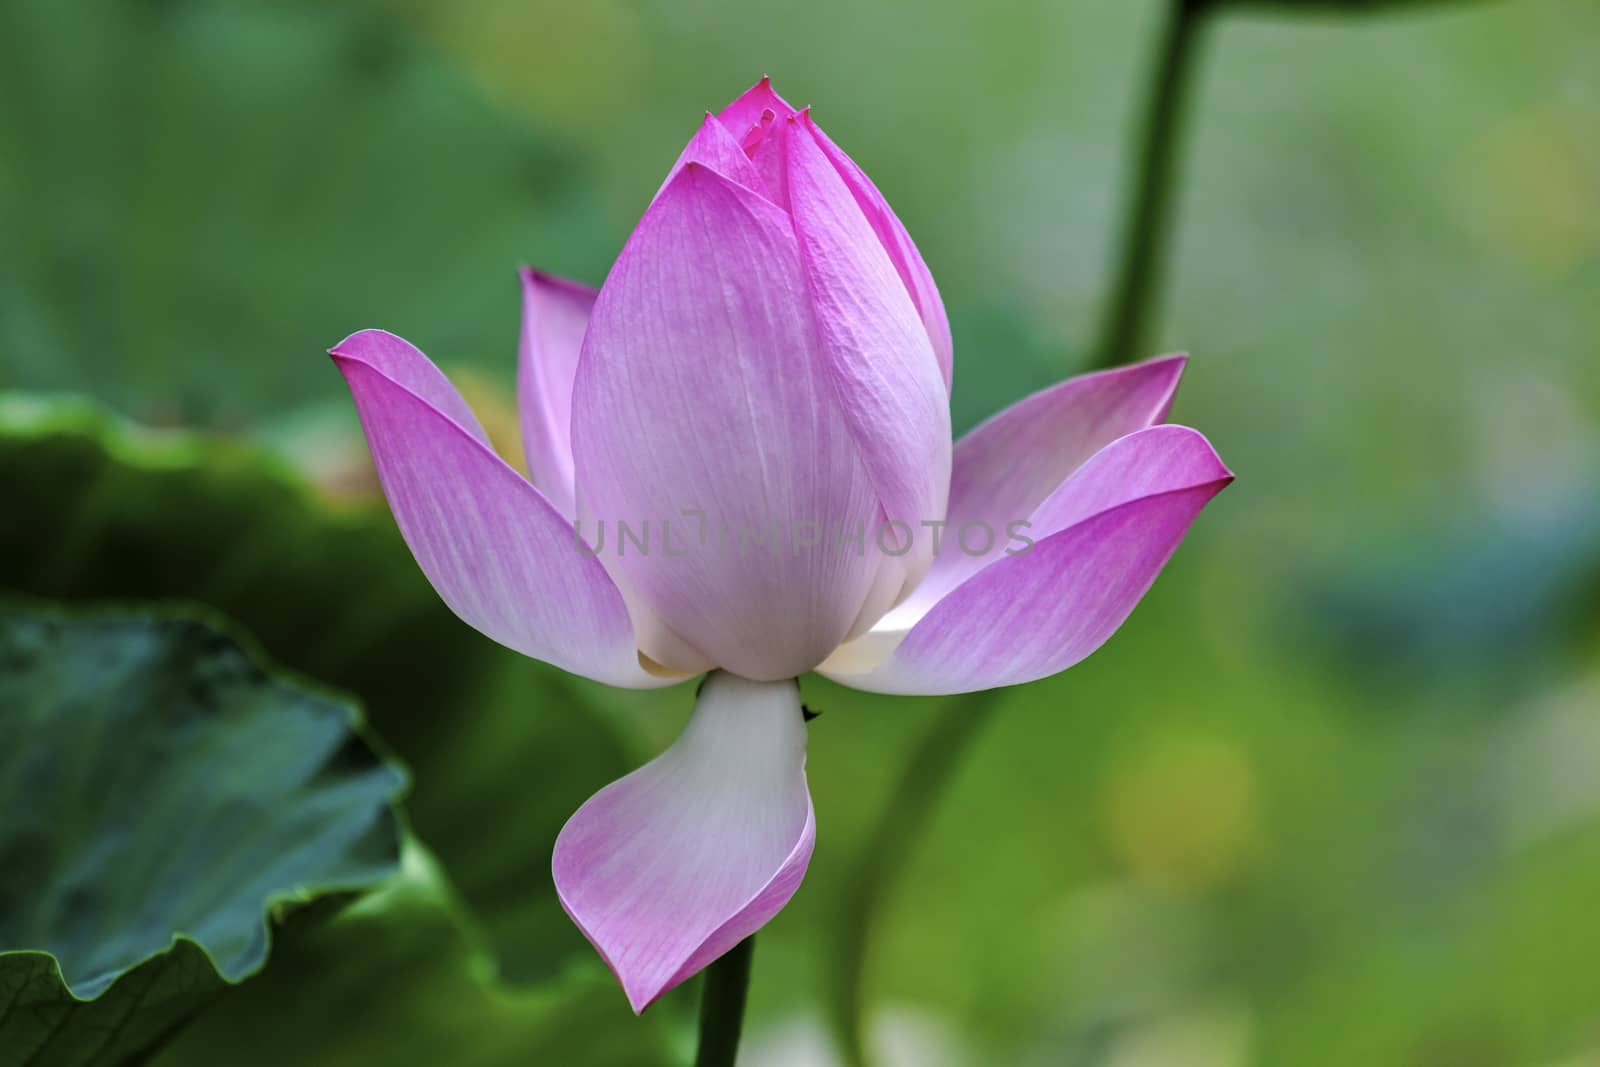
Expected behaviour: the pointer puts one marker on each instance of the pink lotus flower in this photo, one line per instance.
(758, 392)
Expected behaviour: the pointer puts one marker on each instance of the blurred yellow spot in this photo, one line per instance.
(496, 407)
(334, 457)
(1205, 1035)
(1181, 811)
(1532, 187)
(573, 64)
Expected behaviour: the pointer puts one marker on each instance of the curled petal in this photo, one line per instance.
(1099, 542)
(404, 364)
(497, 552)
(874, 345)
(704, 420)
(1004, 468)
(555, 312)
(668, 868)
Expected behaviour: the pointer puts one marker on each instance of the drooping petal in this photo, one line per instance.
(497, 551)
(1005, 467)
(671, 866)
(714, 147)
(908, 262)
(555, 313)
(1099, 542)
(876, 349)
(744, 113)
(703, 418)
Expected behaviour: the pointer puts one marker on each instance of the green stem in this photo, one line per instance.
(722, 997)
(1148, 217)
(1138, 283)
(911, 806)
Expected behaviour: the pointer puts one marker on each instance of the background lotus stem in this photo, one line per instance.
(1138, 281)
(722, 997)
(1147, 219)
(899, 827)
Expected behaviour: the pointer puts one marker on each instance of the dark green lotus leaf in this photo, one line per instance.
(162, 795)
(503, 749)
(398, 979)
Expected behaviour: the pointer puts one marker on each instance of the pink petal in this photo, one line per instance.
(402, 363)
(876, 349)
(767, 147)
(1102, 538)
(555, 312)
(497, 552)
(671, 866)
(908, 262)
(1008, 465)
(701, 391)
(715, 148)
(744, 114)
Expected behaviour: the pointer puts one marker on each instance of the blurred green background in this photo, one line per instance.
(1331, 796)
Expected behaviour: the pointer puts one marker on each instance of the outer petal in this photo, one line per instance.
(555, 312)
(745, 113)
(1005, 468)
(402, 363)
(908, 262)
(877, 351)
(1102, 539)
(668, 868)
(703, 409)
(495, 549)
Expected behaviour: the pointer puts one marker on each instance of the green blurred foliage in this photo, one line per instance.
(1328, 798)
(167, 797)
(502, 749)
(198, 196)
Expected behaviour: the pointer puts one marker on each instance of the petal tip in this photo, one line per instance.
(1224, 474)
(534, 279)
(1178, 360)
(353, 347)
(663, 871)
(648, 982)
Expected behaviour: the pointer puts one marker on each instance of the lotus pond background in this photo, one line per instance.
(1330, 797)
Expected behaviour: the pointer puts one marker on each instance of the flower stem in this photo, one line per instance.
(899, 827)
(1148, 216)
(722, 997)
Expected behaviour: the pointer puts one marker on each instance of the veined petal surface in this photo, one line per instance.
(1102, 538)
(713, 147)
(668, 868)
(555, 313)
(498, 553)
(705, 420)
(908, 262)
(1005, 467)
(874, 345)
